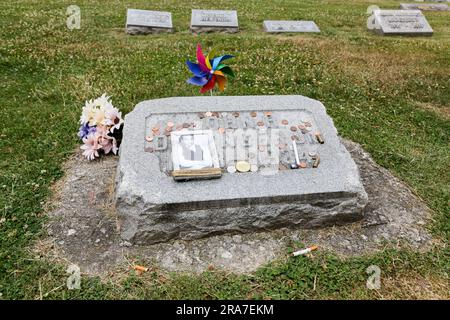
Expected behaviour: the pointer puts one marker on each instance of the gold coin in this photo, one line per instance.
(242, 166)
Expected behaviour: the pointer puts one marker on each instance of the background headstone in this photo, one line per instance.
(145, 21)
(425, 6)
(273, 26)
(401, 22)
(214, 20)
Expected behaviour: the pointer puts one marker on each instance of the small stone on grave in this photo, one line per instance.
(214, 20)
(146, 22)
(284, 26)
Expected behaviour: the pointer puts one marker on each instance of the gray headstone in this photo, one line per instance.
(145, 21)
(153, 207)
(425, 6)
(290, 26)
(214, 20)
(401, 22)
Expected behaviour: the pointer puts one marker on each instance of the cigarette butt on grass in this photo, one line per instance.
(304, 251)
(140, 268)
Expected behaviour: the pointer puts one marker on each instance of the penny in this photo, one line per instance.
(302, 164)
(308, 124)
(293, 128)
(294, 138)
(301, 126)
(208, 114)
(155, 129)
(149, 138)
(156, 133)
(268, 114)
(260, 123)
(221, 130)
(236, 114)
(293, 166)
(170, 124)
(215, 114)
(231, 169)
(186, 125)
(242, 166)
(285, 122)
(253, 168)
(253, 114)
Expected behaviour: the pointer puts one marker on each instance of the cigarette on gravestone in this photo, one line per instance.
(304, 251)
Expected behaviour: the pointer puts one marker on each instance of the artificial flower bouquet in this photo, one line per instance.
(101, 128)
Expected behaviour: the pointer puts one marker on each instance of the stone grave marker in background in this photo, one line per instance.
(145, 22)
(214, 20)
(425, 6)
(279, 26)
(401, 22)
(271, 134)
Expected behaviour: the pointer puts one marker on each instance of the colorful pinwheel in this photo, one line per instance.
(208, 71)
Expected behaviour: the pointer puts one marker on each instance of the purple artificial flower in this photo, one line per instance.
(86, 130)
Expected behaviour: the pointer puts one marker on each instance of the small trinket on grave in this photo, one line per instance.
(294, 138)
(242, 166)
(285, 122)
(260, 123)
(301, 127)
(312, 154)
(222, 130)
(319, 138)
(268, 113)
(316, 161)
(170, 124)
(235, 114)
(231, 169)
(293, 128)
(308, 124)
(253, 114)
(303, 164)
(149, 138)
(294, 145)
(201, 115)
(208, 114)
(293, 166)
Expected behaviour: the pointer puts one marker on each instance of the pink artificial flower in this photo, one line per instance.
(91, 146)
(108, 144)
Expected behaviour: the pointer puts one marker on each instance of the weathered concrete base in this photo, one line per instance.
(83, 226)
(136, 30)
(195, 29)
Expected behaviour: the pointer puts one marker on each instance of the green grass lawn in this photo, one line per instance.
(390, 94)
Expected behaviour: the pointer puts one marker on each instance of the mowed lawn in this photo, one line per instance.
(390, 94)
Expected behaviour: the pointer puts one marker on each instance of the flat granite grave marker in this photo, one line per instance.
(425, 6)
(401, 22)
(145, 22)
(262, 131)
(278, 26)
(214, 20)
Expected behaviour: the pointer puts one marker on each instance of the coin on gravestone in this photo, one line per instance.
(231, 169)
(253, 114)
(260, 123)
(221, 130)
(242, 166)
(149, 138)
(293, 128)
(285, 122)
